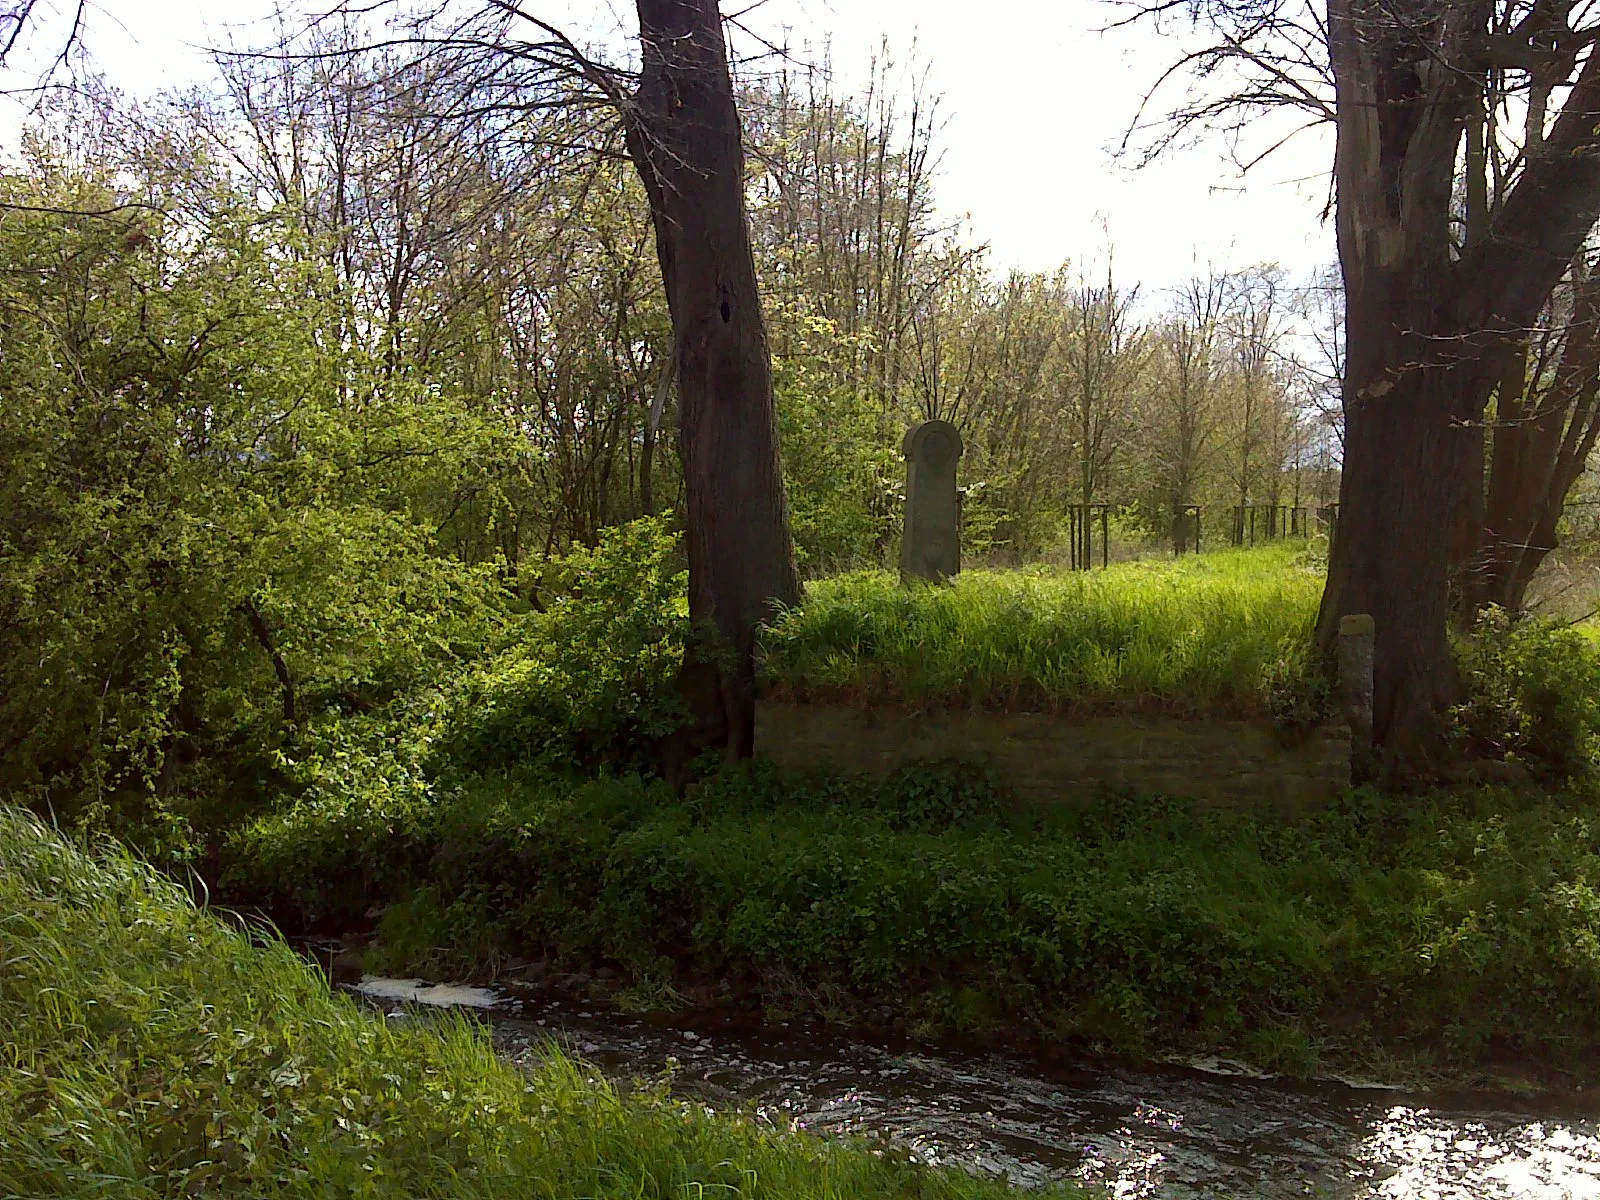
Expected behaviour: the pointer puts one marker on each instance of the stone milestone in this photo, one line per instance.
(930, 547)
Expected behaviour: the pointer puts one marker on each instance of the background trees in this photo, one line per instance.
(368, 350)
(507, 273)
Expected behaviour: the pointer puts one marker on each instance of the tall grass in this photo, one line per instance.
(1205, 634)
(148, 1049)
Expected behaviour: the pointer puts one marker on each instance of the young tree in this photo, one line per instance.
(1181, 418)
(1103, 352)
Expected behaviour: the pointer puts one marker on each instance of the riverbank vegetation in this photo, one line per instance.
(153, 1049)
(1454, 934)
(345, 573)
(506, 808)
(1447, 931)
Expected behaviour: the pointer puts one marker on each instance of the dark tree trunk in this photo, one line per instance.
(647, 460)
(263, 636)
(685, 139)
(1545, 426)
(1409, 445)
(1406, 454)
(1426, 332)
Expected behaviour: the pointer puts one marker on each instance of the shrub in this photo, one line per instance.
(1533, 695)
(584, 684)
(591, 680)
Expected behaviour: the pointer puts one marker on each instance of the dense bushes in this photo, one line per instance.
(580, 683)
(207, 539)
(588, 680)
(149, 1050)
(1533, 695)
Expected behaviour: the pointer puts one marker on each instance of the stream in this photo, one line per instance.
(1148, 1132)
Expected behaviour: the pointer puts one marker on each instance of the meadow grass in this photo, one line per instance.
(149, 1049)
(1206, 634)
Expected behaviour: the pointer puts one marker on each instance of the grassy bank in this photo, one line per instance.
(1457, 933)
(150, 1050)
(496, 812)
(1223, 633)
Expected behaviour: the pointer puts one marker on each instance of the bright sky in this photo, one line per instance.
(1035, 101)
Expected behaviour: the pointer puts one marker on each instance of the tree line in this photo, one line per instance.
(517, 268)
(466, 218)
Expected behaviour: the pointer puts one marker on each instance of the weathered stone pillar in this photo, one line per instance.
(1357, 642)
(930, 546)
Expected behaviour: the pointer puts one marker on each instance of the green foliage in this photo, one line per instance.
(1455, 926)
(582, 684)
(358, 821)
(206, 530)
(1534, 695)
(1209, 634)
(234, 558)
(589, 680)
(151, 1050)
(839, 467)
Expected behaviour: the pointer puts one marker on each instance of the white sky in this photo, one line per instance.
(1035, 99)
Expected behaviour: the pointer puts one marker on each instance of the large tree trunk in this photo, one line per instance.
(1409, 447)
(1426, 330)
(685, 139)
(1408, 385)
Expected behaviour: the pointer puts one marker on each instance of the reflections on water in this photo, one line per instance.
(434, 995)
(1431, 1154)
(1138, 1133)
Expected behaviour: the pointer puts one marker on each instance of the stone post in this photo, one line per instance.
(930, 546)
(1357, 650)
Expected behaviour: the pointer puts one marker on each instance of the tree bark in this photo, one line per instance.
(1427, 332)
(1545, 426)
(685, 139)
(1411, 391)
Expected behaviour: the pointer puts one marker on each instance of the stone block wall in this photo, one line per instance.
(1050, 760)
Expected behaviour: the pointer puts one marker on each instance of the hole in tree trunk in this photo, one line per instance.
(727, 312)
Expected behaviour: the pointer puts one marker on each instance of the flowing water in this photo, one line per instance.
(1138, 1133)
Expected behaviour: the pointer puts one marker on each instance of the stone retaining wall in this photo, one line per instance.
(1048, 760)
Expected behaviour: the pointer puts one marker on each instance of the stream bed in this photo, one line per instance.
(1149, 1132)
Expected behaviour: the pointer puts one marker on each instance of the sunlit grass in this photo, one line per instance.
(148, 1049)
(1200, 634)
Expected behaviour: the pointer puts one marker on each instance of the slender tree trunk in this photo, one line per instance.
(1545, 427)
(647, 459)
(263, 635)
(685, 139)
